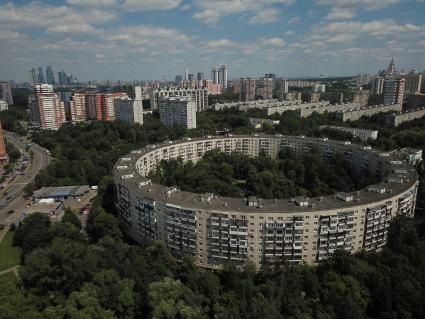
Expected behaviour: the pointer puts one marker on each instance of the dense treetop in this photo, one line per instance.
(238, 175)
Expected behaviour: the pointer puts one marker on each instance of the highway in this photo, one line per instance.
(14, 200)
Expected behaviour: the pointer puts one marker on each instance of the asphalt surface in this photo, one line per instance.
(14, 200)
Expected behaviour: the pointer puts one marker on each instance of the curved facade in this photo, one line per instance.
(215, 229)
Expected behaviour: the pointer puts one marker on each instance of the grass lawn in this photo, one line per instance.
(9, 277)
(9, 256)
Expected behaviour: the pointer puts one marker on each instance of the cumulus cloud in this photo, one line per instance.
(211, 11)
(10, 35)
(265, 16)
(150, 5)
(289, 33)
(338, 13)
(347, 9)
(221, 43)
(133, 5)
(294, 20)
(278, 42)
(375, 28)
(56, 18)
(360, 4)
(92, 3)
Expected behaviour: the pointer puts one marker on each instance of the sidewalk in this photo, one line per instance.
(14, 269)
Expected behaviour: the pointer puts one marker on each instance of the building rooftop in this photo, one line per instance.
(63, 191)
(401, 178)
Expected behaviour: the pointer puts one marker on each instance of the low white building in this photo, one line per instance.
(361, 133)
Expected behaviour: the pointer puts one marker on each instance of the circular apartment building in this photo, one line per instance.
(215, 229)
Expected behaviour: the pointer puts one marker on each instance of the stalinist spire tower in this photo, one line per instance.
(3, 153)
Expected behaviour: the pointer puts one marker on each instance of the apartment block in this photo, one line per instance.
(355, 114)
(267, 88)
(363, 134)
(377, 85)
(326, 108)
(395, 120)
(394, 91)
(199, 96)
(3, 105)
(283, 89)
(128, 110)
(178, 111)
(77, 107)
(6, 92)
(214, 230)
(46, 110)
(247, 89)
(413, 83)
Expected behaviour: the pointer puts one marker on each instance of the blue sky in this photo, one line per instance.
(157, 39)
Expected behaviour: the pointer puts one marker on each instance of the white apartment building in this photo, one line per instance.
(355, 114)
(377, 85)
(361, 133)
(3, 105)
(198, 95)
(128, 110)
(178, 111)
(77, 107)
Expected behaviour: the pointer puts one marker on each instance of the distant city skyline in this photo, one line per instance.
(155, 40)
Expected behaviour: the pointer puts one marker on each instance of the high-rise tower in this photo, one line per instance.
(215, 75)
(223, 76)
(49, 75)
(40, 75)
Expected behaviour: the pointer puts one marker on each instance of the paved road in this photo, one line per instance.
(15, 189)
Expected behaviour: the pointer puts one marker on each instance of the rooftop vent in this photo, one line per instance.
(376, 189)
(346, 197)
(301, 201)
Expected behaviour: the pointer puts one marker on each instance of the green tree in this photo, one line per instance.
(33, 232)
(170, 299)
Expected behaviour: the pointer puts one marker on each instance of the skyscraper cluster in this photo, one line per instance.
(219, 75)
(49, 77)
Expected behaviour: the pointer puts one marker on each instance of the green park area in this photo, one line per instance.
(8, 277)
(9, 255)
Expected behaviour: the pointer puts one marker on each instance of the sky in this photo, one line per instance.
(158, 39)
